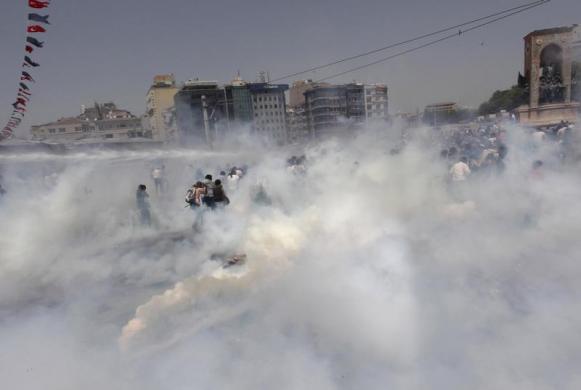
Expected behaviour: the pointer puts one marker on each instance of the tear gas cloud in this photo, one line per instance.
(362, 273)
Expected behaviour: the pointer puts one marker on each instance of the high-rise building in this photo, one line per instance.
(297, 92)
(343, 108)
(201, 112)
(239, 102)
(376, 102)
(206, 112)
(160, 98)
(298, 129)
(269, 110)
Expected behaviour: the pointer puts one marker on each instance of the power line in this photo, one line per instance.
(431, 43)
(520, 7)
(516, 10)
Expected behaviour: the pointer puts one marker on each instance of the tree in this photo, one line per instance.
(507, 99)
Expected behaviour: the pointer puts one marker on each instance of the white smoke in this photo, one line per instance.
(363, 273)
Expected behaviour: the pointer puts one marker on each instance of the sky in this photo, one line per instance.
(109, 50)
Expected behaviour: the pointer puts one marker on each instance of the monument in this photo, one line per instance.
(552, 71)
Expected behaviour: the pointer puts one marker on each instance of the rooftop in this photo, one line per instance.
(554, 30)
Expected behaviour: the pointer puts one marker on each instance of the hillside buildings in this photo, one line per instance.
(99, 122)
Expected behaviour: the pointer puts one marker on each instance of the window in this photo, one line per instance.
(62, 129)
(52, 131)
(77, 128)
(108, 135)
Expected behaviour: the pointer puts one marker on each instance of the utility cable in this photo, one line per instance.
(431, 43)
(374, 51)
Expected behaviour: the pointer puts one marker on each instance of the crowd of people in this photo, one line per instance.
(207, 193)
(481, 151)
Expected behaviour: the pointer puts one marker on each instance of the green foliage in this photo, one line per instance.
(508, 100)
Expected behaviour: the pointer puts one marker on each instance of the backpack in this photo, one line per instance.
(219, 195)
(190, 196)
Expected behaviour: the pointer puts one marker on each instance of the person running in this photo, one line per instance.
(142, 198)
(232, 180)
(195, 194)
(208, 198)
(460, 171)
(537, 170)
(220, 197)
(458, 176)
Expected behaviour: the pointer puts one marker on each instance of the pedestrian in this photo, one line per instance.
(142, 198)
(157, 176)
(208, 198)
(232, 179)
(537, 170)
(191, 195)
(220, 197)
(460, 171)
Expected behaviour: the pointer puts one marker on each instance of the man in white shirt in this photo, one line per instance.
(157, 176)
(460, 171)
(232, 180)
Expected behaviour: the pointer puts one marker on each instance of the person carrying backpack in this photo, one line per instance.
(194, 195)
(208, 198)
(220, 197)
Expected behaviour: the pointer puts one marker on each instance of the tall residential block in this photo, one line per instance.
(160, 98)
(340, 109)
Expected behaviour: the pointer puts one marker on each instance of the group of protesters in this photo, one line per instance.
(207, 193)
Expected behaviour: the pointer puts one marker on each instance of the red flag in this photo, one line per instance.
(35, 28)
(29, 49)
(38, 4)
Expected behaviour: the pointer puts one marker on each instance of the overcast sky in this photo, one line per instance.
(102, 50)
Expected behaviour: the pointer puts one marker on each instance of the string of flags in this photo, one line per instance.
(36, 25)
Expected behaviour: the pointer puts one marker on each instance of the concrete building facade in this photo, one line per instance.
(195, 127)
(297, 125)
(340, 109)
(100, 122)
(376, 102)
(160, 98)
(269, 111)
(260, 106)
(239, 102)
